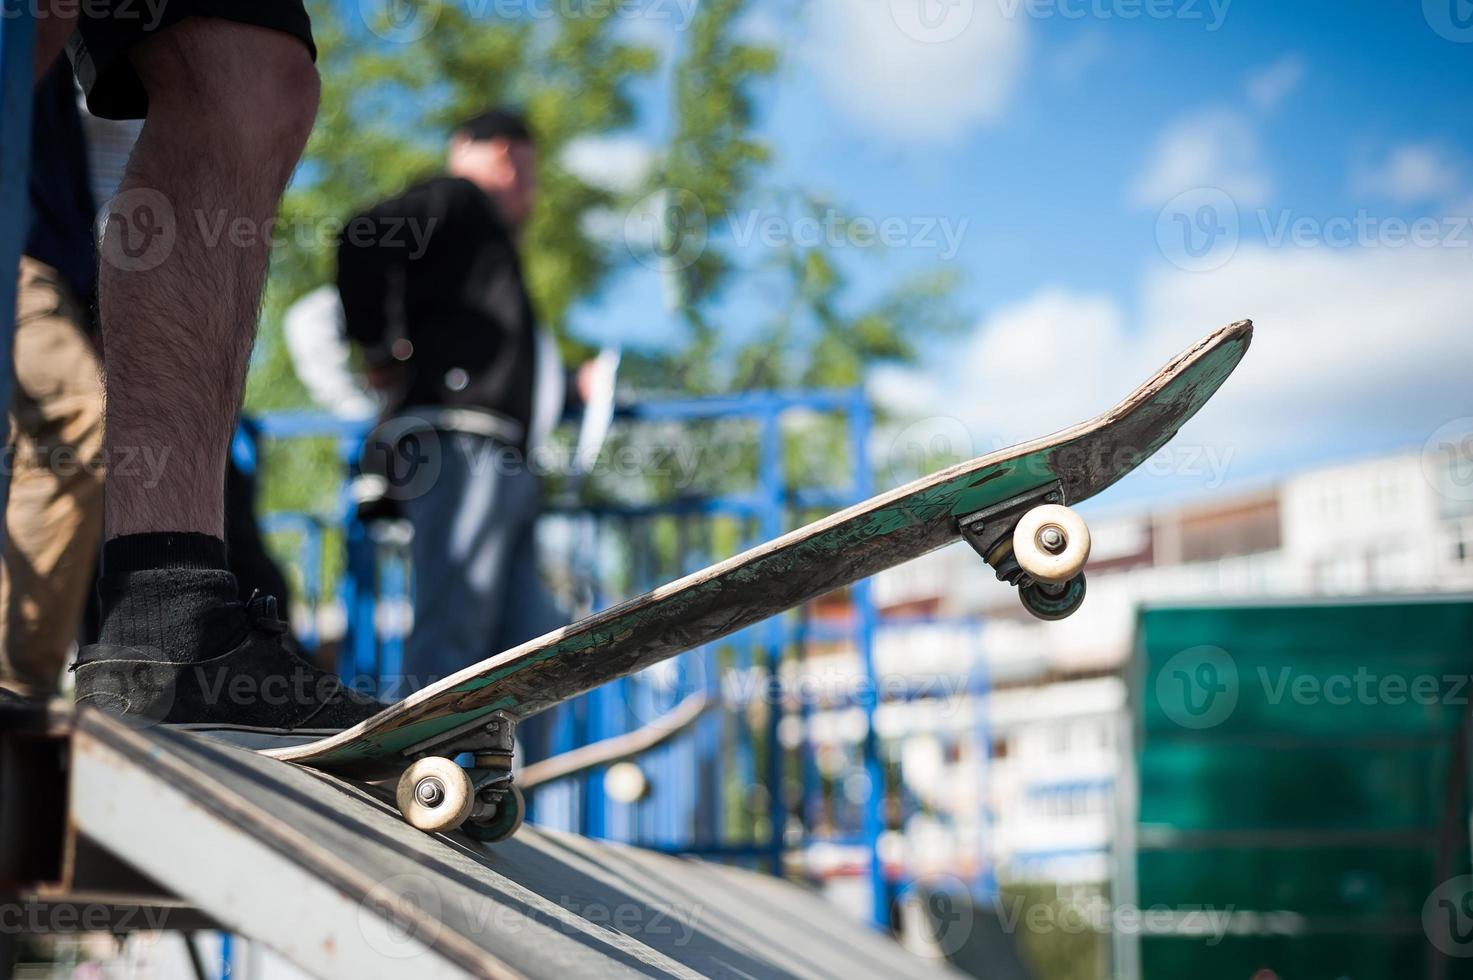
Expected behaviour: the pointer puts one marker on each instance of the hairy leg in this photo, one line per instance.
(184, 260)
(54, 23)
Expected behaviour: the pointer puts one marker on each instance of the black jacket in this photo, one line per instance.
(431, 280)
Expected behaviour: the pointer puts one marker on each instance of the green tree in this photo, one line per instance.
(387, 108)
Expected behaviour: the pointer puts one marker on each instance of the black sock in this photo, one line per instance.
(165, 549)
(167, 592)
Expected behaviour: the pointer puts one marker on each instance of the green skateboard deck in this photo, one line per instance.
(984, 500)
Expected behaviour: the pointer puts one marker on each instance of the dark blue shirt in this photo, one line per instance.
(62, 210)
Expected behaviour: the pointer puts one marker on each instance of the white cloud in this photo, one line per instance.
(1371, 342)
(1412, 173)
(1270, 85)
(1218, 148)
(614, 163)
(1353, 347)
(1017, 349)
(1074, 59)
(907, 74)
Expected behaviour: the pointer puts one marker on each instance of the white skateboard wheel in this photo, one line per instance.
(1051, 544)
(435, 795)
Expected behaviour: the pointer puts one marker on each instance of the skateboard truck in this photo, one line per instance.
(436, 794)
(1036, 544)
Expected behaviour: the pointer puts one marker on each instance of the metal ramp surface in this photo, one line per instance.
(326, 874)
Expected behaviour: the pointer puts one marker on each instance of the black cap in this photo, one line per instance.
(496, 124)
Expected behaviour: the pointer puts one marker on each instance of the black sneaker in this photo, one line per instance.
(256, 687)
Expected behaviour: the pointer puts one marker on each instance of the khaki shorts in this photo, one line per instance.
(54, 518)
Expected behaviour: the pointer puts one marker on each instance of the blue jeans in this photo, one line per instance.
(477, 591)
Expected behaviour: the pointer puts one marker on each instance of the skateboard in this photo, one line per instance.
(1011, 506)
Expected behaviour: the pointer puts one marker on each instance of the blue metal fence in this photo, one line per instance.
(17, 33)
(738, 784)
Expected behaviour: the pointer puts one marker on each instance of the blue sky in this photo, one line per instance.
(1071, 146)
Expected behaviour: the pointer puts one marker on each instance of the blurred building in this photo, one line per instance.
(1053, 717)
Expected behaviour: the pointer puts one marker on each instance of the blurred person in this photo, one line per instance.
(321, 356)
(227, 92)
(433, 294)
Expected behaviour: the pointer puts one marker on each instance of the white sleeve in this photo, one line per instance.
(549, 390)
(313, 326)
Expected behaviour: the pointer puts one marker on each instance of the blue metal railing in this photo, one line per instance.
(17, 34)
(695, 774)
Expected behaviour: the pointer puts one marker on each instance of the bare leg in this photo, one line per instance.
(184, 259)
(54, 23)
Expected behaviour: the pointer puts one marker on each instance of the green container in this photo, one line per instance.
(1293, 763)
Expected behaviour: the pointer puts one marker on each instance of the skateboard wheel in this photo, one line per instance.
(507, 819)
(1051, 544)
(1053, 602)
(435, 794)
